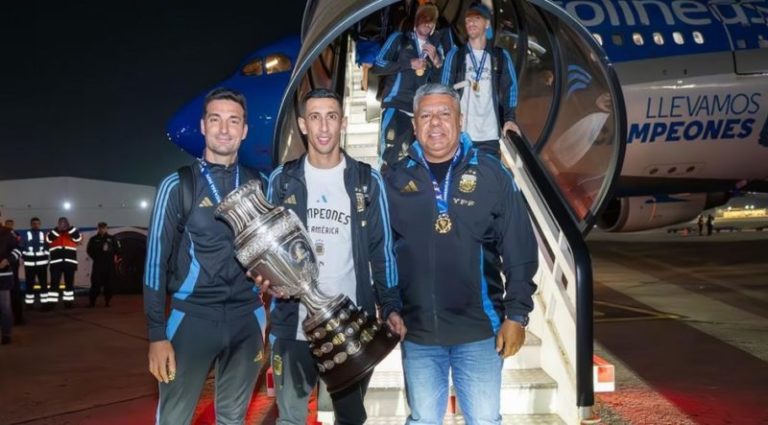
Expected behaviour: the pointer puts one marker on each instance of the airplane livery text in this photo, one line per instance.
(694, 118)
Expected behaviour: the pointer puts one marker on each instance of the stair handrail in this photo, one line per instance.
(553, 203)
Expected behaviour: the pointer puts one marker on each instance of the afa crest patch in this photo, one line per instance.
(277, 365)
(468, 183)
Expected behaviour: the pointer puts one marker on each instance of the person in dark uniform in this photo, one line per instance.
(34, 250)
(103, 248)
(17, 295)
(8, 255)
(215, 309)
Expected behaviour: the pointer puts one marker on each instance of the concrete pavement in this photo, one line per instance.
(682, 318)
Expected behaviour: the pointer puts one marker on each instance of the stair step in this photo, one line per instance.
(459, 420)
(363, 128)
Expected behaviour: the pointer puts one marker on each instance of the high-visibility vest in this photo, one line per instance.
(34, 248)
(63, 246)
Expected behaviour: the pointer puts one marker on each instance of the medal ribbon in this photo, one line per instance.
(441, 194)
(211, 186)
(478, 69)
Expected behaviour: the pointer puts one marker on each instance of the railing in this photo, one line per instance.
(564, 279)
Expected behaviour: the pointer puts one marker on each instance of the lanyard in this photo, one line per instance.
(441, 194)
(478, 69)
(211, 186)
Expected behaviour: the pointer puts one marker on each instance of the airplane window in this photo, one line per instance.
(658, 38)
(637, 38)
(253, 68)
(598, 37)
(678, 37)
(698, 37)
(617, 39)
(278, 63)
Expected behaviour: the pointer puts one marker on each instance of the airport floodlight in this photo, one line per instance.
(67, 205)
(143, 204)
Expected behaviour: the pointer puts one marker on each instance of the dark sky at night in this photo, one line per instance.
(88, 86)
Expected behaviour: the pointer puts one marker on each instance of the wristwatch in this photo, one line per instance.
(519, 318)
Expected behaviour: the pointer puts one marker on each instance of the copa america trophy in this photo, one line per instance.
(272, 242)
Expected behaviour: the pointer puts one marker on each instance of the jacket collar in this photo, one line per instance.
(298, 170)
(468, 152)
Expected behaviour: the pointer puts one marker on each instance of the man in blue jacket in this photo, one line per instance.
(407, 60)
(459, 221)
(214, 307)
(343, 205)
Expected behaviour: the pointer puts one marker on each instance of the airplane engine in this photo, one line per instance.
(637, 213)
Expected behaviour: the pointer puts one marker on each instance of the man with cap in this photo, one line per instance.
(407, 60)
(102, 248)
(485, 77)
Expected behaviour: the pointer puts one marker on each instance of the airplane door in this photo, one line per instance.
(570, 106)
(570, 109)
(318, 63)
(746, 23)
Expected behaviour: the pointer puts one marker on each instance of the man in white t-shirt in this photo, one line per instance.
(484, 75)
(343, 205)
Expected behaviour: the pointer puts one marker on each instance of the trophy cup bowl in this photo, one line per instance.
(271, 241)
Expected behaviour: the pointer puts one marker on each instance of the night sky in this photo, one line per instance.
(88, 86)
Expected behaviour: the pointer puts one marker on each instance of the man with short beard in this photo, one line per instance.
(343, 205)
(214, 307)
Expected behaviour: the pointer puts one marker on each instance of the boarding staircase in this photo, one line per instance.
(539, 384)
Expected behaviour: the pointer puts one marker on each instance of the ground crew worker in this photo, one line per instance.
(63, 242)
(34, 250)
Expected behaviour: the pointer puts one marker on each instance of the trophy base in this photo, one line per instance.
(349, 345)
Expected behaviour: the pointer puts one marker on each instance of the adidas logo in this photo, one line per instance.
(206, 203)
(410, 187)
(291, 200)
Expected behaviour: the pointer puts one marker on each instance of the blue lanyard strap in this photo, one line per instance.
(441, 194)
(211, 186)
(478, 69)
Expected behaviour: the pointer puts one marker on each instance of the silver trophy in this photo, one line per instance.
(272, 242)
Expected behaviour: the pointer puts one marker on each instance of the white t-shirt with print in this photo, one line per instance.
(477, 106)
(329, 223)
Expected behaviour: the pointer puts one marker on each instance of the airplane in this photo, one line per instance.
(682, 85)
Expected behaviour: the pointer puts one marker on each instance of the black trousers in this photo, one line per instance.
(66, 290)
(37, 284)
(396, 135)
(232, 346)
(296, 375)
(102, 276)
(17, 297)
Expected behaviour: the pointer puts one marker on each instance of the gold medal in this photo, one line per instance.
(420, 72)
(476, 85)
(443, 224)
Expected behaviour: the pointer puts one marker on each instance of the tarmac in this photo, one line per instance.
(683, 319)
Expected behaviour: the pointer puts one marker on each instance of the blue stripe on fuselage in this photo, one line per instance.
(622, 19)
